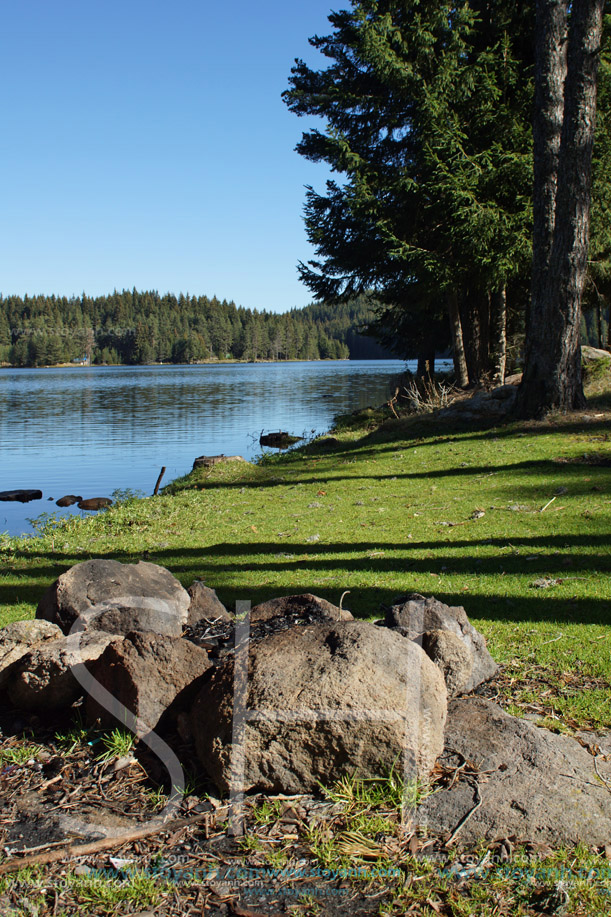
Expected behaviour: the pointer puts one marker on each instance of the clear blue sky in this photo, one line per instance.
(144, 143)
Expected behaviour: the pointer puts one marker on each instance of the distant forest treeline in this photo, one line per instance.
(133, 327)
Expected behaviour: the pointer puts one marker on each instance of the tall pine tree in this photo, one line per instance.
(426, 110)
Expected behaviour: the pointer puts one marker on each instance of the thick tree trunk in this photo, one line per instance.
(552, 369)
(498, 337)
(458, 347)
(551, 58)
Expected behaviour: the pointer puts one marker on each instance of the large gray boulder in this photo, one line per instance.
(147, 674)
(18, 638)
(486, 407)
(414, 615)
(321, 701)
(534, 784)
(45, 678)
(117, 598)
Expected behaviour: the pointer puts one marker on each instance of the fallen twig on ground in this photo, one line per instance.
(106, 843)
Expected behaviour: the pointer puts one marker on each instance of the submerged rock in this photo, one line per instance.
(207, 461)
(20, 496)
(278, 440)
(68, 500)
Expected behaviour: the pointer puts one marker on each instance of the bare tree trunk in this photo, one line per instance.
(476, 335)
(552, 370)
(470, 318)
(498, 322)
(458, 347)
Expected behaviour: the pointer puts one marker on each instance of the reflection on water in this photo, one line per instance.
(92, 430)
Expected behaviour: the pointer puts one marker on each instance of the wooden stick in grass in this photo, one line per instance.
(106, 843)
(161, 474)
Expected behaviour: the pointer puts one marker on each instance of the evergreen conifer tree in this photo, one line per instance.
(427, 116)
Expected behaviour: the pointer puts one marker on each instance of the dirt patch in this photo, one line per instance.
(594, 459)
(300, 855)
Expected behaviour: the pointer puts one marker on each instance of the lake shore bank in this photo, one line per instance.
(210, 362)
(110, 429)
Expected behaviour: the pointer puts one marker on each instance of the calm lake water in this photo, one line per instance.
(91, 431)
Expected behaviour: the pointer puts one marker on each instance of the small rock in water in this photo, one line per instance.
(68, 500)
(278, 440)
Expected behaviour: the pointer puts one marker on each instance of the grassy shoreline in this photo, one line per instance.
(511, 522)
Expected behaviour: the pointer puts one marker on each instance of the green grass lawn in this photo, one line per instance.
(512, 523)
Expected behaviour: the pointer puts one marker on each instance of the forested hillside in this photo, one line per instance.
(144, 327)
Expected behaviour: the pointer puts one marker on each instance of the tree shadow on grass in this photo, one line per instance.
(549, 467)
(368, 602)
(437, 432)
(229, 566)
